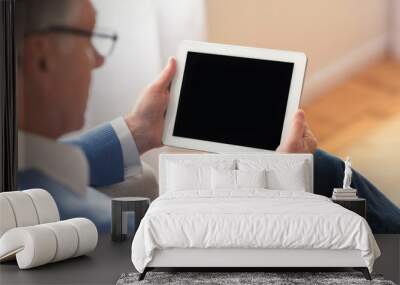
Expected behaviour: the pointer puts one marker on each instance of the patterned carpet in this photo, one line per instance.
(232, 278)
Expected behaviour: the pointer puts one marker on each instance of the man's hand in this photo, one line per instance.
(146, 121)
(300, 139)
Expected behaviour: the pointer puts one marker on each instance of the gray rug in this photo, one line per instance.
(228, 278)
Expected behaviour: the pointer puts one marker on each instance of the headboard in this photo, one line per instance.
(273, 159)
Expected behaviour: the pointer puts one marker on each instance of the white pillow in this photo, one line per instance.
(223, 179)
(237, 179)
(186, 175)
(251, 178)
(281, 174)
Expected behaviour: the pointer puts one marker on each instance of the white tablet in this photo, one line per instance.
(227, 98)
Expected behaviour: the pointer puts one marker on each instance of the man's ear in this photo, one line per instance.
(37, 55)
(42, 64)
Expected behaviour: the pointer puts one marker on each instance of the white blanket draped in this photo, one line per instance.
(250, 219)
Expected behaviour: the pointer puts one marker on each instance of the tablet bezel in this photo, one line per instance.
(298, 59)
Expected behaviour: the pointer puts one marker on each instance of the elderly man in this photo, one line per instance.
(56, 58)
(55, 65)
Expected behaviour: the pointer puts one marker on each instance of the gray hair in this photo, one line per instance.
(37, 15)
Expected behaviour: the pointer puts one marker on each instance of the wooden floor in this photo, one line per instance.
(349, 111)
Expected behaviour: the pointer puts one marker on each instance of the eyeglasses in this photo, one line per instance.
(102, 41)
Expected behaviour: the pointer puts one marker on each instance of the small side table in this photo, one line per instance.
(120, 209)
(357, 205)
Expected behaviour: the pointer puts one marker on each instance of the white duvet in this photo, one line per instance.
(250, 219)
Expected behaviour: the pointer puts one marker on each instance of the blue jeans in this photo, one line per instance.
(383, 215)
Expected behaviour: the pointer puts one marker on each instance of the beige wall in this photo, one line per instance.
(337, 36)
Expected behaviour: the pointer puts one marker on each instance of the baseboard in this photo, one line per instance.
(342, 68)
(394, 29)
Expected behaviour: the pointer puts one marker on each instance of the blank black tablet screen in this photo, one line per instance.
(233, 100)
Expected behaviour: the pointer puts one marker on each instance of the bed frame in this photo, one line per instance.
(246, 259)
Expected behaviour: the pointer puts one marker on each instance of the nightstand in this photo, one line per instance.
(357, 205)
(121, 207)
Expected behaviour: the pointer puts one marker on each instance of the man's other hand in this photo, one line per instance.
(300, 139)
(146, 121)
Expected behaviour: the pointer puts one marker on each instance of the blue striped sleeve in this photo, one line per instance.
(104, 154)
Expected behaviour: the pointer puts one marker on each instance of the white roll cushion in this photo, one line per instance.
(33, 246)
(37, 245)
(67, 240)
(23, 208)
(45, 205)
(87, 234)
(7, 218)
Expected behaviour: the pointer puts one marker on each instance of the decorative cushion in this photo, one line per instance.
(185, 175)
(251, 178)
(237, 179)
(223, 179)
(281, 174)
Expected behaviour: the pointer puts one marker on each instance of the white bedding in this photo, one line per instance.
(250, 218)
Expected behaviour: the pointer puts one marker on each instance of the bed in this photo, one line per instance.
(246, 211)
